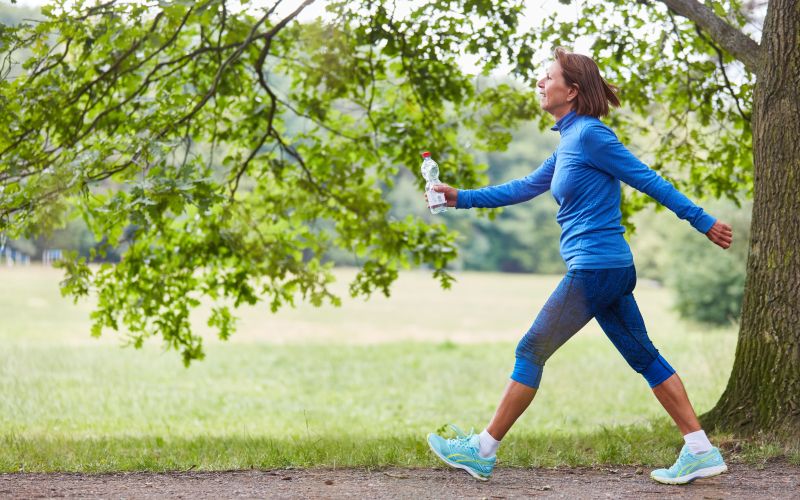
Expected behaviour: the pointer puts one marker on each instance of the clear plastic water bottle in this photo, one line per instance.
(430, 171)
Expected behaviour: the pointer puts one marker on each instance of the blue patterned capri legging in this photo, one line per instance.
(583, 294)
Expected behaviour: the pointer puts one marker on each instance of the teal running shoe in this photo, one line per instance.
(690, 467)
(462, 452)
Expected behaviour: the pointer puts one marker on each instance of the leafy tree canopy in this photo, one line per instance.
(230, 148)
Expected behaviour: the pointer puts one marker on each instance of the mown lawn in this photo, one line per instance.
(356, 386)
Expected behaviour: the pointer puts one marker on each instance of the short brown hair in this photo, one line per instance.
(594, 93)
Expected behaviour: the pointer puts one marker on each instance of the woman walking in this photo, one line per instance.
(584, 177)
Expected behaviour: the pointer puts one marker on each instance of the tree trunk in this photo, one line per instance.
(763, 392)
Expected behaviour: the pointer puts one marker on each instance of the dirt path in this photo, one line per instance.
(777, 480)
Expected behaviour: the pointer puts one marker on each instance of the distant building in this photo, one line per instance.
(50, 255)
(14, 257)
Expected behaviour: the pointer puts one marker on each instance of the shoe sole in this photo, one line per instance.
(706, 472)
(454, 464)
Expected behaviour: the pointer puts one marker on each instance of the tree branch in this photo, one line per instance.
(120, 59)
(252, 36)
(728, 86)
(114, 72)
(729, 38)
(39, 70)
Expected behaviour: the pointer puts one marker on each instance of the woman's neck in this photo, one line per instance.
(559, 114)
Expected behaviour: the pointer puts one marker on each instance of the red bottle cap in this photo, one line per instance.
(426, 154)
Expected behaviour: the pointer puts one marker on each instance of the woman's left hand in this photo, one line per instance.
(721, 234)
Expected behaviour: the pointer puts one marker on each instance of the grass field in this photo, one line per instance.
(359, 385)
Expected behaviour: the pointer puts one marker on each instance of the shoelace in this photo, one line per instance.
(461, 444)
(461, 441)
(460, 433)
(679, 464)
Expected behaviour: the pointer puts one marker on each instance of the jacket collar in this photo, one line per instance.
(565, 122)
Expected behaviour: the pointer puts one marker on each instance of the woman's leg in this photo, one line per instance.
(623, 324)
(516, 399)
(564, 314)
(674, 399)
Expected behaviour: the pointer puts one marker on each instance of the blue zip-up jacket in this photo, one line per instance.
(584, 176)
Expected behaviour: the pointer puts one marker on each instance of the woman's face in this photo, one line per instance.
(556, 98)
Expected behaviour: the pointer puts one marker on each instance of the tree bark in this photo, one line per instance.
(763, 392)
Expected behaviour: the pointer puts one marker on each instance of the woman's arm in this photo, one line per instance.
(604, 152)
(510, 193)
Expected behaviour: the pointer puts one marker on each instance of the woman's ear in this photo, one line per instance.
(572, 93)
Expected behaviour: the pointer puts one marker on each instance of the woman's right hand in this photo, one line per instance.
(721, 234)
(450, 194)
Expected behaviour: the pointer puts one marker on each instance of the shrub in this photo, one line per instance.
(709, 282)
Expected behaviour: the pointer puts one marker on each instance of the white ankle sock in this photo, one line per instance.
(488, 446)
(698, 442)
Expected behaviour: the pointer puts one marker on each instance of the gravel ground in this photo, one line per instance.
(775, 480)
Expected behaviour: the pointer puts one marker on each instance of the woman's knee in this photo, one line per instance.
(531, 353)
(535, 347)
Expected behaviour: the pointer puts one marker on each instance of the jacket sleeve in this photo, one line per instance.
(605, 152)
(512, 192)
